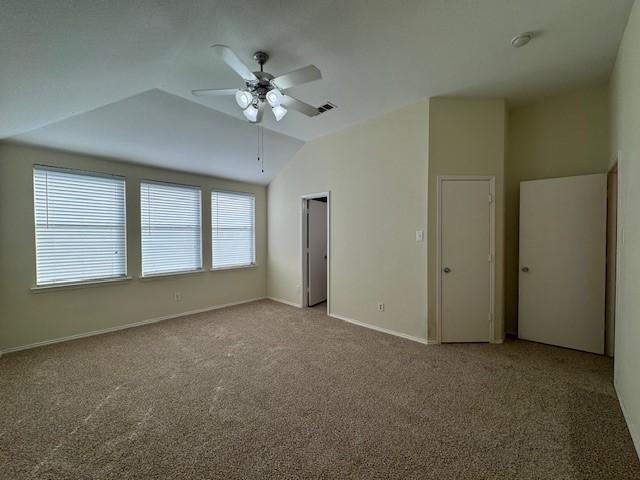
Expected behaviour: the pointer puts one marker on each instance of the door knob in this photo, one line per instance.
(446, 270)
(525, 269)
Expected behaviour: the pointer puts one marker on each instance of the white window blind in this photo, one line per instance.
(80, 226)
(171, 232)
(233, 224)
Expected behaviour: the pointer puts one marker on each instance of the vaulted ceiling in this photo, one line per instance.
(163, 130)
(63, 58)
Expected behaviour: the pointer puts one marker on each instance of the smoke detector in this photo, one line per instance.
(521, 40)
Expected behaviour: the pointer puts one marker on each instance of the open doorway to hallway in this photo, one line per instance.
(315, 251)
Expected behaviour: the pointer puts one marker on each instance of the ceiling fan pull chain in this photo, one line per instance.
(262, 147)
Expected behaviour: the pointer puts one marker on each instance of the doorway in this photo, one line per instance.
(315, 250)
(465, 281)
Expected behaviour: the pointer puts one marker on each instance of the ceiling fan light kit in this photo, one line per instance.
(262, 87)
(279, 112)
(251, 113)
(274, 97)
(243, 98)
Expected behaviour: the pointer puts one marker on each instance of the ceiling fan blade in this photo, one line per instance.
(215, 91)
(297, 77)
(231, 59)
(298, 105)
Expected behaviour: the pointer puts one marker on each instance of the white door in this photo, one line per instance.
(466, 263)
(562, 261)
(317, 256)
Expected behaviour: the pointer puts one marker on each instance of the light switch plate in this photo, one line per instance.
(419, 235)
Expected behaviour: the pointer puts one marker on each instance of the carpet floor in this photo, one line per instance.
(265, 390)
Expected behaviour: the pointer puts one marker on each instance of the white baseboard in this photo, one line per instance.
(124, 327)
(286, 302)
(362, 324)
(381, 329)
(202, 310)
(635, 433)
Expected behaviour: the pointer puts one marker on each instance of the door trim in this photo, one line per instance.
(304, 299)
(610, 323)
(492, 247)
(617, 167)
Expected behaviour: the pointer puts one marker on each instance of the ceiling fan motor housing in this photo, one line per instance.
(262, 86)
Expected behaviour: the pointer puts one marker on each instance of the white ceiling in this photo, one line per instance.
(160, 129)
(62, 58)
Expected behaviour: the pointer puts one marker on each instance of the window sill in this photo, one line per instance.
(155, 276)
(74, 285)
(239, 267)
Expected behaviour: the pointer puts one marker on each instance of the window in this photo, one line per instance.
(233, 225)
(80, 226)
(170, 219)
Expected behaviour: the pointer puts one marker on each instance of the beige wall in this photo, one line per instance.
(559, 136)
(467, 137)
(626, 141)
(377, 174)
(27, 317)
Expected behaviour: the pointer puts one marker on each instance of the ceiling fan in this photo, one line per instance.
(261, 87)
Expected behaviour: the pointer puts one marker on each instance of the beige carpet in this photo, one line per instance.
(266, 390)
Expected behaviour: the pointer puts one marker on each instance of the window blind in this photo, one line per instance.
(233, 224)
(171, 230)
(80, 226)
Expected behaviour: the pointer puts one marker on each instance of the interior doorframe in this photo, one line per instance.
(493, 338)
(304, 300)
(617, 167)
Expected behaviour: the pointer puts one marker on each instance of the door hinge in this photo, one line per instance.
(489, 258)
(490, 198)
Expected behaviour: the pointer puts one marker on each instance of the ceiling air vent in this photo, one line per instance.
(326, 107)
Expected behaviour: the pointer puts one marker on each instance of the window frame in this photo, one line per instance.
(98, 280)
(254, 264)
(198, 188)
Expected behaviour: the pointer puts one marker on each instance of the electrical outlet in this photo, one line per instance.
(177, 296)
(380, 307)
